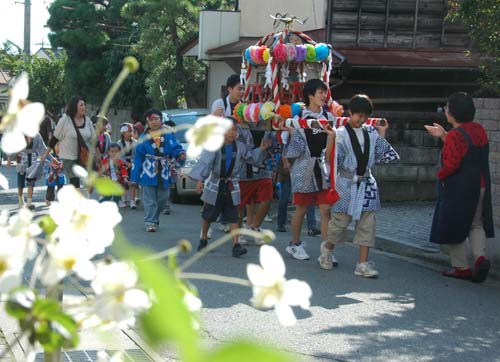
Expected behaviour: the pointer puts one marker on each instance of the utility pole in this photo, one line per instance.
(27, 29)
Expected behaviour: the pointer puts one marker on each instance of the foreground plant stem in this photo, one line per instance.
(215, 278)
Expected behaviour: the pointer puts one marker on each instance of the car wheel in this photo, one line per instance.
(176, 198)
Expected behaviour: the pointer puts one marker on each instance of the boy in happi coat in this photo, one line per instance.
(114, 168)
(221, 192)
(359, 148)
(151, 169)
(310, 185)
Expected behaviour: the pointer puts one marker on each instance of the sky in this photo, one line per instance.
(12, 23)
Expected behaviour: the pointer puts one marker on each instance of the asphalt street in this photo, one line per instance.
(410, 313)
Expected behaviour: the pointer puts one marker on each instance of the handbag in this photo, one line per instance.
(83, 150)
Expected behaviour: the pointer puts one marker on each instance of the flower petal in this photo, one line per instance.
(272, 262)
(80, 171)
(258, 276)
(285, 314)
(214, 142)
(297, 293)
(30, 117)
(194, 151)
(13, 142)
(19, 91)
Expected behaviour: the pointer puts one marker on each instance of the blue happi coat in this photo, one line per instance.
(147, 161)
(358, 194)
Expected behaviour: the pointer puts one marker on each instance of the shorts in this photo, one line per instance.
(22, 181)
(364, 230)
(311, 198)
(256, 191)
(223, 206)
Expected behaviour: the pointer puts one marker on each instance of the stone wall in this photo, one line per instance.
(488, 114)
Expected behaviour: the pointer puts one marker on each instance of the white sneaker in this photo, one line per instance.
(366, 270)
(258, 241)
(325, 259)
(268, 219)
(242, 240)
(209, 233)
(297, 251)
(334, 260)
(224, 227)
(133, 205)
(122, 204)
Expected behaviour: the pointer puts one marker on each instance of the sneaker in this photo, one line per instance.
(258, 241)
(122, 204)
(47, 202)
(281, 229)
(334, 260)
(297, 251)
(151, 228)
(223, 227)
(167, 210)
(133, 205)
(481, 269)
(268, 219)
(31, 206)
(325, 258)
(137, 201)
(242, 240)
(209, 233)
(465, 274)
(203, 244)
(313, 232)
(238, 250)
(366, 269)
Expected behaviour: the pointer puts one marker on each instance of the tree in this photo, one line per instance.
(165, 27)
(47, 76)
(96, 38)
(482, 17)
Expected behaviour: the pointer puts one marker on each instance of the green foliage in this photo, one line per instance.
(97, 38)
(481, 17)
(46, 77)
(42, 320)
(107, 187)
(247, 352)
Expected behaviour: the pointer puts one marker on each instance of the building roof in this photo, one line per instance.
(4, 77)
(46, 51)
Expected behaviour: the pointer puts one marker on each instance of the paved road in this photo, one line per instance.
(410, 313)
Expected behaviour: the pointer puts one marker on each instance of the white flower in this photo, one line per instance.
(22, 118)
(271, 289)
(11, 266)
(84, 219)
(67, 257)
(117, 300)
(192, 302)
(21, 231)
(207, 133)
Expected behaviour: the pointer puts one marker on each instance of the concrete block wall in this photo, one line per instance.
(488, 114)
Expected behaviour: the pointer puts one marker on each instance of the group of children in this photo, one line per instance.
(236, 181)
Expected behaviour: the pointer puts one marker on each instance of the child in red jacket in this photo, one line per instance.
(114, 168)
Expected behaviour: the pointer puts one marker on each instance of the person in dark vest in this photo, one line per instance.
(359, 148)
(463, 209)
(219, 171)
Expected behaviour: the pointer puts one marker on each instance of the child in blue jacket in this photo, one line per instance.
(151, 169)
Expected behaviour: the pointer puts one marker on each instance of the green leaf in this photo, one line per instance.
(247, 352)
(47, 224)
(168, 319)
(54, 328)
(108, 187)
(20, 303)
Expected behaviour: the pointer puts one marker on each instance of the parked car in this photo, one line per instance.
(184, 186)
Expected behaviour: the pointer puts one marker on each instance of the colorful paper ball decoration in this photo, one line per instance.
(240, 111)
(296, 108)
(256, 112)
(249, 112)
(235, 112)
(265, 56)
(301, 53)
(254, 54)
(291, 52)
(280, 53)
(310, 53)
(322, 52)
(246, 113)
(285, 111)
(259, 54)
(267, 111)
(248, 56)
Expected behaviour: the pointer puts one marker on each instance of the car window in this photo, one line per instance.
(181, 120)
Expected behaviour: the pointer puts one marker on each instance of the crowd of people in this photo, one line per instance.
(326, 169)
